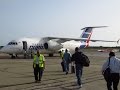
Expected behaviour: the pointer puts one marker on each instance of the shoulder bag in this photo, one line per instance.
(107, 72)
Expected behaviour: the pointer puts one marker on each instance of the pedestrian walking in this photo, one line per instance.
(78, 59)
(112, 66)
(66, 60)
(62, 62)
(39, 66)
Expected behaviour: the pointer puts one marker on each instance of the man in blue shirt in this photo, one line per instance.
(66, 60)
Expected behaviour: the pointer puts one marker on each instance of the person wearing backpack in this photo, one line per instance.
(113, 77)
(77, 57)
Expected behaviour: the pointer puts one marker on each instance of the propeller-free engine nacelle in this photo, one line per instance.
(52, 45)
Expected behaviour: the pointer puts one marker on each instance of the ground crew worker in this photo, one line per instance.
(62, 63)
(39, 66)
(61, 54)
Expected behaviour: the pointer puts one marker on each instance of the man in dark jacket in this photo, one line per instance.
(77, 58)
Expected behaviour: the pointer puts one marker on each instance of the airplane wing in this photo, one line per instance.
(62, 40)
(85, 36)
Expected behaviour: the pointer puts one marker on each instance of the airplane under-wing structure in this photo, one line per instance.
(49, 45)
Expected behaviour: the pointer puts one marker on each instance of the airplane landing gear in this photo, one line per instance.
(13, 56)
(51, 55)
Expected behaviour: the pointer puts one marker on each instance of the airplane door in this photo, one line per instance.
(25, 45)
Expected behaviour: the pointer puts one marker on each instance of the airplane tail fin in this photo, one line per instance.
(86, 35)
(118, 41)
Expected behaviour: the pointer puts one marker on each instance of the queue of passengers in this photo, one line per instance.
(110, 69)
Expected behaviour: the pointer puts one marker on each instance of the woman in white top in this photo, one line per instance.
(114, 65)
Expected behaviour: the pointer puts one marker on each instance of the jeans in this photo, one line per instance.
(66, 65)
(79, 70)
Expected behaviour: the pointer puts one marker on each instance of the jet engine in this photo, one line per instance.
(52, 45)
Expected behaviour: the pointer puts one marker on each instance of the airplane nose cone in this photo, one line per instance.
(1, 50)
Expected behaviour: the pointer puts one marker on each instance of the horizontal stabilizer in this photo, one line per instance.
(94, 27)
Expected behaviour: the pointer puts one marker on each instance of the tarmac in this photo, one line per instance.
(17, 74)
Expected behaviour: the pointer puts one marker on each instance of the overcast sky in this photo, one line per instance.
(60, 18)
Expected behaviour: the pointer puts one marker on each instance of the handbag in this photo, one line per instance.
(107, 72)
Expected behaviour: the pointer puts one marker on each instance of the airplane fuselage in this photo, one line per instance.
(50, 45)
(27, 45)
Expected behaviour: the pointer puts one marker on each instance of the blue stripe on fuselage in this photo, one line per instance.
(36, 47)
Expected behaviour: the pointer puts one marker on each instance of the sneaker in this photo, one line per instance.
(66, 73)
(80, 86)
(39, 81)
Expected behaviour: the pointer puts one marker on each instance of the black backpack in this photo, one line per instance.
(86, 61)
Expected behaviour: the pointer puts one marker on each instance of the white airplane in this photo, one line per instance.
(49, 45)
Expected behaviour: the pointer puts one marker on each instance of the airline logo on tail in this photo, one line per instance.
(86, 35)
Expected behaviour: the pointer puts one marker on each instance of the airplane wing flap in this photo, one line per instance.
(102, 41)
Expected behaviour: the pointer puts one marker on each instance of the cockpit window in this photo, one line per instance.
(12, 43)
